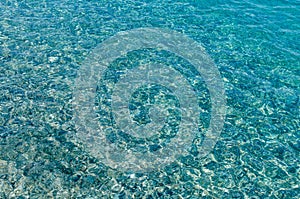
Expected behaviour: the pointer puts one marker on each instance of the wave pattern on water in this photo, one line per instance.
(255, 45)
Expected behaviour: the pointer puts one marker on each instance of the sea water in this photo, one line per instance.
(44, 48)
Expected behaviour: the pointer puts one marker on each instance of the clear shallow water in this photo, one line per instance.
(255, 45)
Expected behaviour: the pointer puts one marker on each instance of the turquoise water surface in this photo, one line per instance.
(254, 44)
